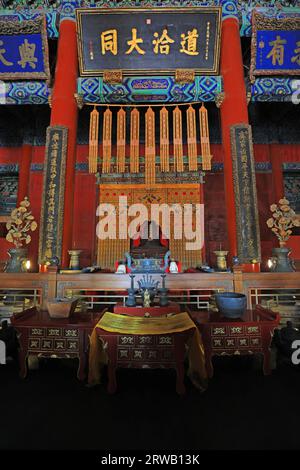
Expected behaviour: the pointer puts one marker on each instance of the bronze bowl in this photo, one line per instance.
(231, 304)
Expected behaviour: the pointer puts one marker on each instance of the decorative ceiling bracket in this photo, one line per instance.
(50, 98)
(79, 100)
(113, 77)
(219, 99)
(249, 96)
(184, 76)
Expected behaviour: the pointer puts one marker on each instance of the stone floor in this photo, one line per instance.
(241, 409)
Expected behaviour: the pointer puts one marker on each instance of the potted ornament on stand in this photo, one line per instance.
(281, 223)
(19, 226)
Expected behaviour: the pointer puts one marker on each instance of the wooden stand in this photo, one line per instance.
(251, 334)
(41, 336)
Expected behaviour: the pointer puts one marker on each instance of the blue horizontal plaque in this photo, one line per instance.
(278, 50)
(275, 46)
(24, 50)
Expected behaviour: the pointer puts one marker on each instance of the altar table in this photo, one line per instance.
(154, 311)
(250, 334)
(42, 336)
(126, 341)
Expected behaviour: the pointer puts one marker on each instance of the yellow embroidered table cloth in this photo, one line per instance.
(123, 324)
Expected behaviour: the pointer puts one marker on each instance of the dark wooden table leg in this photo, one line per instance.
(81, 372)
(267, 362)
(112, 381)
(208, 364)
(179, 344)
(180, 387)
(23, 364)
(112, 365)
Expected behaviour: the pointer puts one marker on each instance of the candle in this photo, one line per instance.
(42, 268)
(270, 263)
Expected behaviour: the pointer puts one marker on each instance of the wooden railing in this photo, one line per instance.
(52, 284)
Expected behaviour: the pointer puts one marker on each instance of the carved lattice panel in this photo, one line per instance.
(291, 181)
(8, 193)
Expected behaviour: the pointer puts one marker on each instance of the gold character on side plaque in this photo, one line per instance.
(27, 52)
(2, 58)
(296, 58)
(277, 51)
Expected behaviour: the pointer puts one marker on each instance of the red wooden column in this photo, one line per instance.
(24, 172)
(202, 201)
(64, 112)
(233, 109)
(277, 173)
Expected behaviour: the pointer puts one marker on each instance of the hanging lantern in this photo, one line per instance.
(150, 147)
(134, 140)
(177, 140)
(164, 145)
(93, 141)
(107, 124)
(204, 135)
(121, 140)
(192, 138)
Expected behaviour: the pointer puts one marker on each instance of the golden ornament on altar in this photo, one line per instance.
(282, 221)
(146, 298)
(20, 224)
(221, 259)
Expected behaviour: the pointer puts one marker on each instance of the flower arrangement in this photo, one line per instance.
(20, 224)
(282, 221)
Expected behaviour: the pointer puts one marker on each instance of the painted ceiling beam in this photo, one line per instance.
(93, 90)
(54, 10)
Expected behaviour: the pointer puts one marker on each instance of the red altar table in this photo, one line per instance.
(155, 311)
(251, 334)
(139, 347)
(42, 336)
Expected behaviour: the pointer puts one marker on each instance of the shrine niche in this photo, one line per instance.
(111, 250)
(147, 246)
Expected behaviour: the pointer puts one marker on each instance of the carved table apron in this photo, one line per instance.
(140, 311)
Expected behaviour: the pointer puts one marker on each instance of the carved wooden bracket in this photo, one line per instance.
(79, 100)
(184, 76)
(113, 76)
(219, 99)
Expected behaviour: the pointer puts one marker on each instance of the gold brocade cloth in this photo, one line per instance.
(122, 324)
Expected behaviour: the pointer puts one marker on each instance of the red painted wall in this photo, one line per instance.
(35, 196)
(8, 155)
(85, 201)
(85, 204)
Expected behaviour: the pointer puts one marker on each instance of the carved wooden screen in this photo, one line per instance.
(112, 250)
